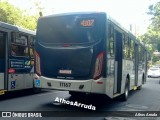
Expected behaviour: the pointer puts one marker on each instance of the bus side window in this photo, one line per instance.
(111, 40)
(31, 52)
(140, 57)
(14, 50)
(143, 58)
(19, 44)
(17, 50)
(19, 38)
(31, 46)
(129, 48)
(126, 48)
(31, 41)
(132, 49)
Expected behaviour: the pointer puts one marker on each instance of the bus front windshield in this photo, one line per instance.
(72, 29)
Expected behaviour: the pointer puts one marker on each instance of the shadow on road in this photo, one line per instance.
(19, 93)
(101, 103)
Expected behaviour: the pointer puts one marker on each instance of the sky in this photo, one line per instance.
(125, 12)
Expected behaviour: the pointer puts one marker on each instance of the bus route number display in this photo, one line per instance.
(87, 23)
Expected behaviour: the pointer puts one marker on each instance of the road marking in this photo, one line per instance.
(133, 107)
(118, 118)
(136, 106)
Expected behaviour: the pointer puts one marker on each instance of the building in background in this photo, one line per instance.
(134, 28)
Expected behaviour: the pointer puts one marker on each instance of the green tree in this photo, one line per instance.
(158, 46)
(9, 13)
(15, 16)
(152, 37)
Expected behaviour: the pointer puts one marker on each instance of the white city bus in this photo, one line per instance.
(88, 52)
(16, 58)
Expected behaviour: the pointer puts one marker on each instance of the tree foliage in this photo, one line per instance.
(15, 16)
(152, 37)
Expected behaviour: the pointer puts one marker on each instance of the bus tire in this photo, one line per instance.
(143, 79)
(124, 96)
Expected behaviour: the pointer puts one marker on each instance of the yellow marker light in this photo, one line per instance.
(135, 88)
(2, 92)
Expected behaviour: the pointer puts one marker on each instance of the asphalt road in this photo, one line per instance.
(146, 99)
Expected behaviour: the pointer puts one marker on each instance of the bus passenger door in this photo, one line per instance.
(2, 59)
(114, 63)
(136, 64)
(118, 62)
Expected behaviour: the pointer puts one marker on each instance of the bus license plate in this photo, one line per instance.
(63, 84)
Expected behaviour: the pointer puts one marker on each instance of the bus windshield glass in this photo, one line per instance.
(72, 29)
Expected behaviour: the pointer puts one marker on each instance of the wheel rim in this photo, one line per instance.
(126, 92)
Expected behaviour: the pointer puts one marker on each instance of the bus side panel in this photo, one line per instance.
(15, 82)
(140, 74)
(109, 85)
(2, 71)
(1, 80)
(28, 83)
(128, 69)
(98, 86)
(20, 81)
(2, 58)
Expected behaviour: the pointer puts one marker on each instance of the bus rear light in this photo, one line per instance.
(98, 66)
(66, 45)
(11, 70)
(99, 82)
(38, 67)
(36, 77)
